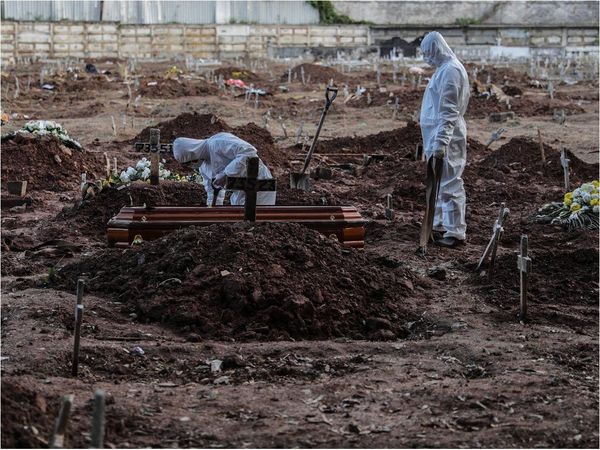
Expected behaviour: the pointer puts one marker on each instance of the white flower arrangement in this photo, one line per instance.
(48, 127)
(579, 208)
(141, 172)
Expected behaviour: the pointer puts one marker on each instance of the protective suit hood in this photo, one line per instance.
(435, 49)
(186, 150)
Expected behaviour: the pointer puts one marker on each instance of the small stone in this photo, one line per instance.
(225, 273)
(67, 151)
(184, 419)
(57, 159)
(221, 380)
(138, 351)
(352, 428)
(378, 323)
(437, 273)
(215, 365)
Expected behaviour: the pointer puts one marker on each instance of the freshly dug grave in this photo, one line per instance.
(564, 269)
(252, 281)
(45, 163)
(318, 74)
(175, 89)
(26, 416)
(90, 216)
(522, 155)
(202, 126)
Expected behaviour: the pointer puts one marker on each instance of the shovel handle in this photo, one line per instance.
(329, 100)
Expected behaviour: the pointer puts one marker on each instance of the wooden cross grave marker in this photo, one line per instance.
(155, 148)
(251, 185)
(492, 247)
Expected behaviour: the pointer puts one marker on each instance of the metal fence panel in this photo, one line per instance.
(162, 11)
(51, 10)
(267, 12)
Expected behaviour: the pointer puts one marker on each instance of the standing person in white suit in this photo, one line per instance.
(445, 136)
(222, 155)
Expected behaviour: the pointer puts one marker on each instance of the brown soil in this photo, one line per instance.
(401, 140)
(175, 89)
(233, 295)
(523, 106)
(512, 90)
(409, 100)
(521, 156)
(26, 414)
(318, 74)
(469, 373)
(45, 163)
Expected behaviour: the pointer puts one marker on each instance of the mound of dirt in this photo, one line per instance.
(90, 216)
(401, 140)
(26, 415)
(252, 281)
(87, 83)
(190, 125)
(202, 126)
(523, 106)
(176, 89)
(318, 74)
(563, 276)
(512, 90)
(236, 73)
(522, 154)
(45, 163)
(272, 155)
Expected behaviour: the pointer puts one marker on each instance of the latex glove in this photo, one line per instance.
(219, 181)
(439, 152)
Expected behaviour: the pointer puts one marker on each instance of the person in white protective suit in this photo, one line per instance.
(220, 156)
(444, 134)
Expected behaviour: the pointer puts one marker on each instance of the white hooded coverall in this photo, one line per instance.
(444, 130)
(223, 153)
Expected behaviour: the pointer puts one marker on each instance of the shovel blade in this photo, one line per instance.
(300, 181)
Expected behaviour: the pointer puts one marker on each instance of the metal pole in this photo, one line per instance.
(57, 439)
(524, 265)
(98, 420)
(78, 320)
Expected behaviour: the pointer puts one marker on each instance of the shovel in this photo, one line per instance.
(301, 180)
(434, 176)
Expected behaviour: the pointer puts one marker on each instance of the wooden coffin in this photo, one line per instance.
(343, 222)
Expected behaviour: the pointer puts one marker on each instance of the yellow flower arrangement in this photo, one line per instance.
(568, 199)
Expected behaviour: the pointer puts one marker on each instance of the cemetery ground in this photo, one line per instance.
(272, 335)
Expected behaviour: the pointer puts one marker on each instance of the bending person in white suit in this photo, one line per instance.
(222, 155)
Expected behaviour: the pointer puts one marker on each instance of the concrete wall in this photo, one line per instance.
(435, 13)
(95, 40)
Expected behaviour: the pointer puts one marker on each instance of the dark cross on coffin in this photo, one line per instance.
(155, 148)
(251, 185)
